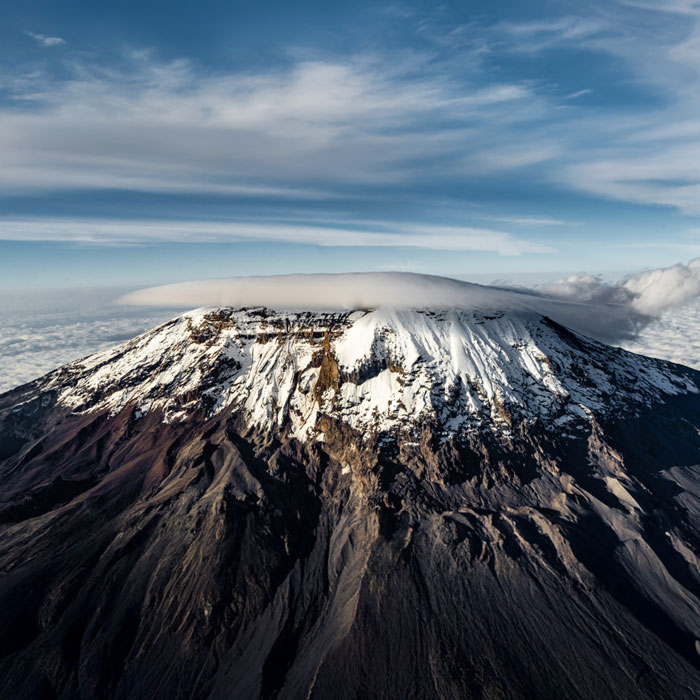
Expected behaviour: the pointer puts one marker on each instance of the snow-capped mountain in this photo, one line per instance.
(378, 371)
(246, 503)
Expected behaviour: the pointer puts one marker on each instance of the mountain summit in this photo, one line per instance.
(381, 371)
(246, 503)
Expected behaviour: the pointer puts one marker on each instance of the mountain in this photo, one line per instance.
(365, 504)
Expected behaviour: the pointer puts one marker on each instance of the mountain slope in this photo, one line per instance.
(387, 504)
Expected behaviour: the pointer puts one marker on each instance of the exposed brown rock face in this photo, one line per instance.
(207, 558)
(329, 372)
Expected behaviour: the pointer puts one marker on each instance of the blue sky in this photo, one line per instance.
(144, 144)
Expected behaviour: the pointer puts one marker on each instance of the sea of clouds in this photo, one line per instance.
(656, 312)
(44, 330)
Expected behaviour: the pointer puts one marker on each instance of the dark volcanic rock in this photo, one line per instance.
(212, 558)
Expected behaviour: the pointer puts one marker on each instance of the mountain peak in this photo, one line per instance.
(379, 371)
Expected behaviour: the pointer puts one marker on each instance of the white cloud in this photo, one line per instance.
(511, 157)
(585, 288)
(611, 312)
(666, 175)
(684, 7)
(542, 35)
(45, 40)
(650, 293)
(385, 234)
(169, 127)
(657, 290)
(41, 331)
(688, 51)
(524, 220)
(609, 322)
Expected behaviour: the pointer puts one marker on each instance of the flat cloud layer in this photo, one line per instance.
(44, 330)
(612, 313)
(379, 234)
(326, 291)
(674, 336)
(610, 322)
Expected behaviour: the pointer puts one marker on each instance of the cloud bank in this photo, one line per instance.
(649, 293)
(44, 330)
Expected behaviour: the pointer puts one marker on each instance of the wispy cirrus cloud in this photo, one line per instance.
(684, 7)
(579, 93)
(166, 125)
(648, 153)
(417, 127)
(46, 40)
(374, 234)
(539, 35)
(527, 221)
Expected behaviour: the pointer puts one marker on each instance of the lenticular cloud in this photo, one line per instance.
(609, 322)
(326, 291)
(612, 313)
